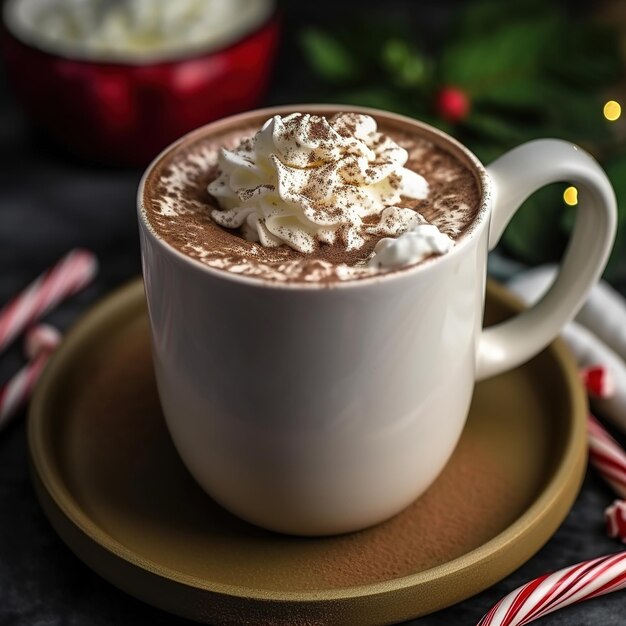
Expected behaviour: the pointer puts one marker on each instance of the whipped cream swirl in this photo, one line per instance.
(135, 29)
(421, 240)
(303, 180)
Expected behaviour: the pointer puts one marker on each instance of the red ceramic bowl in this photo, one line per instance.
(125, 113)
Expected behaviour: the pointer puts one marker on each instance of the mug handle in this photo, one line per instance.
(516, 175)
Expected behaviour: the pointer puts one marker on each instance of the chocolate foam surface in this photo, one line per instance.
(177, 207)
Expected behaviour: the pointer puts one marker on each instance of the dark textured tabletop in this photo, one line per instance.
(50, 203)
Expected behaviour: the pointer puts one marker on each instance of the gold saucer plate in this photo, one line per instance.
(113, 487)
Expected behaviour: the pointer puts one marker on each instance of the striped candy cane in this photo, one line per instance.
(40, 343)
(599, 381)
(607, 456)
(585, 580)
(68, 276)
(42, 338)
(615, 516)
(548, 593)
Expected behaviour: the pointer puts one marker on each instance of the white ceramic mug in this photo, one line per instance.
(314, 410)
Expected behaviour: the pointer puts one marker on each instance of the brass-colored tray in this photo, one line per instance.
(111, 484)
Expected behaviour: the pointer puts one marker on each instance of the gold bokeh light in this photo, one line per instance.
(612, 110)
(570, 196)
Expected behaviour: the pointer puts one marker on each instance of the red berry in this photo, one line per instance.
(452, 104)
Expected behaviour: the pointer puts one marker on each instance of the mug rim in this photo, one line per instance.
(439, 137)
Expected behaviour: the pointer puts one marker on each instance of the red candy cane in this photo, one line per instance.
(607, 456)
(599, 381)
(69, 275)
(615, 516)
(42, 338)
(548, 593)
(585, 580)
(40, 343)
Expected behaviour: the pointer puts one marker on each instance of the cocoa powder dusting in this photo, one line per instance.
(178, 207)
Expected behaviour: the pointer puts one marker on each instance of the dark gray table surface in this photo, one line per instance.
(50, 203)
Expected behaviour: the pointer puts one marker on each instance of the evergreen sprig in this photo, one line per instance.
(528, 70)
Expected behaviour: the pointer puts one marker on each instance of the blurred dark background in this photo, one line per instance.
(428, 23)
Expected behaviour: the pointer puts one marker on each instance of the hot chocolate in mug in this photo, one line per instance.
(316, 409)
